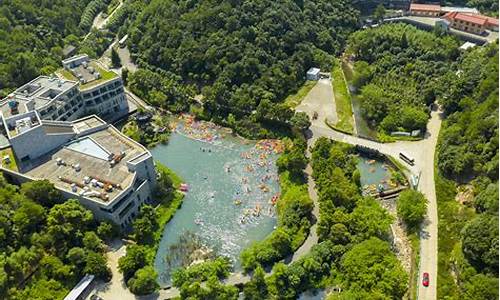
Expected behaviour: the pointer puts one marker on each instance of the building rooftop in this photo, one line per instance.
(471, 10)
(71, 166)
(35, 94)
(87, 123)
(313, 71)
(425, 7)
(89, 74)
(80, 288)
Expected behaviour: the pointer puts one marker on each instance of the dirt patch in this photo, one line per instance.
(465, 194)
(400, 242)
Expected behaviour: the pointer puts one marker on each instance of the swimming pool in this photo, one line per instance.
(89, 147)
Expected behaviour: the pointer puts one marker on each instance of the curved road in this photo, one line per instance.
(423, 152)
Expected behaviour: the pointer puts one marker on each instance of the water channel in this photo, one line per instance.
(362, 127)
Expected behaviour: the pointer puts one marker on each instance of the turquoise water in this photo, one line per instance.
(318, 294)
(374, 172)
(217, 176)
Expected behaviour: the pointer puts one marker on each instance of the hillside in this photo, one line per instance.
(32, 37)
(242, 55)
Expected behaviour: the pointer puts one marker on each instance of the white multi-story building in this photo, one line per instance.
(101, 90)
(52, 131)
(86, 159)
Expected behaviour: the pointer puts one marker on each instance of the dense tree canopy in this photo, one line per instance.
(468, 153)
(469, 144)
(240, 53)
(412, 207)
(371, 266)
(33, 36)
(53, 246)
(396, 70)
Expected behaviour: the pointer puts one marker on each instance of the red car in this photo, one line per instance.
(425, 279)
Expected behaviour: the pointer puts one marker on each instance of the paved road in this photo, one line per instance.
(423, 153)
(320, 99)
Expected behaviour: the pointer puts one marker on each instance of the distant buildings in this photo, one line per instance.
(461, 18)
(425, 10)
(313, 74)
(472, 23)
(47, 133)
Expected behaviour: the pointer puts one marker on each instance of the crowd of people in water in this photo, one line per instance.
(257, 198)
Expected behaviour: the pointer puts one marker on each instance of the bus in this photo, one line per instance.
(406, 159)
(123, 42)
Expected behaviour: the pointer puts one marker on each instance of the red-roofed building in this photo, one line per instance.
(473, 23)
(425, 10)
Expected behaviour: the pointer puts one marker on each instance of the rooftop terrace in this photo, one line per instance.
(89, 74)
(91, 154)
(35, 94)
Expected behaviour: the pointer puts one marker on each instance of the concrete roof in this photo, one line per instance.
(313, 71)
(110, 140)
(425, 7)
(40, 91)
(79, 288)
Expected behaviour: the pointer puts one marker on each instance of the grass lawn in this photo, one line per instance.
(342, 99)
(293, 100)
(67, 75)
(12, 165)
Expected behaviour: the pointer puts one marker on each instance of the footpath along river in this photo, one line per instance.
(231, 182)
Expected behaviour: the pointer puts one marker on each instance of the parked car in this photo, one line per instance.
(425, 279)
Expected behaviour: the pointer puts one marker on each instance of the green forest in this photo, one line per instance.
(468, 161)
(396, 71)
(32, 37)
(244, 57)
(46, 244)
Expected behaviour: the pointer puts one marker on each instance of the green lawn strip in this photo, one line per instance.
(294, 99)
(385, 138)
(342, 99)
(67, 75)
(12, 165)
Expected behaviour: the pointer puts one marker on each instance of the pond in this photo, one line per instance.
(375, 174)
(315, 294)
(227, 207)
